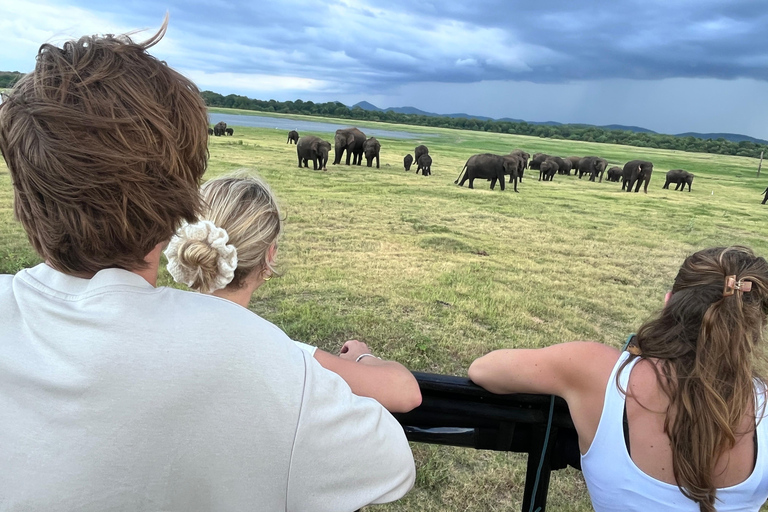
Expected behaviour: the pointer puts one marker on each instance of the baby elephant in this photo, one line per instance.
(680, 177)
(293, 136)
(210, 131)
(424, 164)
(614, 174)
(408, 161)
(371, 149)
(229, 131)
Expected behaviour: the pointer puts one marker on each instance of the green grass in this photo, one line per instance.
(434, 275)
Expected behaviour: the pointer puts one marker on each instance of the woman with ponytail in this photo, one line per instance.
(675, 421)
(231, 252)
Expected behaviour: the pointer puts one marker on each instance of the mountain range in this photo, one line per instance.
(733, 137)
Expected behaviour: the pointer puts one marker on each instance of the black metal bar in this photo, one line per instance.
(456, 412)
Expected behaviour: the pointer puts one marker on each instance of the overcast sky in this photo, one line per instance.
(668, 65)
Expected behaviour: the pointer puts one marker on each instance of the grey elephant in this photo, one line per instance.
(614, 174)
(524, 157)
(488, 167)
(408, 161)
(574, 162)
(537, 160)
(547, 169)
(293, 137)
(418, 151)
(680, 177)
(219, 128)
(313, 148)
(636, 172)
(371, 149)
(350, 140)
(210, 131)
(229, 131)
(563, 165)
(766, 195)
(594, 166)
(519, 161)
(424, 164)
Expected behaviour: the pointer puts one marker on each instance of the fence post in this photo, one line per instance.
(760, 164)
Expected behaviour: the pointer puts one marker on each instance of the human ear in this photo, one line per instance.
(272, 253)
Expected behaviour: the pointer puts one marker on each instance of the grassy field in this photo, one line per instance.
(434, 275)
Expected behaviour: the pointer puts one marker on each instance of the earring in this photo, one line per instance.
(266, 275)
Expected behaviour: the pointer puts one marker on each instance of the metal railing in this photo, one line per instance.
(456, 412)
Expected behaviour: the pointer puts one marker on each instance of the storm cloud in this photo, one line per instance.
(377, 49)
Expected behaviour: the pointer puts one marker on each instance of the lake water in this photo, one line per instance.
(280, 123)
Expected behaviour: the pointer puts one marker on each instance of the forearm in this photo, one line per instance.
(388, 382)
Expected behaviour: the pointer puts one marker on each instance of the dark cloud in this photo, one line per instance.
(390, 42)
(380, 49)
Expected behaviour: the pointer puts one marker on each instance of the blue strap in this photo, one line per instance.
(629, 340)
(543, 454)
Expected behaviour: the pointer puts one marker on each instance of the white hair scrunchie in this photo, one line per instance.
(216, 238)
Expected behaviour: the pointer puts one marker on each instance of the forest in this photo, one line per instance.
(565, 132)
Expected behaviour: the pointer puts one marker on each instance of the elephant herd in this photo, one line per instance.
(635, 173)
(422, 159)
(487, 166)
(220, 128)
(349, 140)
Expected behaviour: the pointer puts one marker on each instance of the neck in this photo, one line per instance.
(243, 294)
(149, 273)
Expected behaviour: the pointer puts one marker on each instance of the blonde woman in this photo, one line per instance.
(677, 422)
(231, 252)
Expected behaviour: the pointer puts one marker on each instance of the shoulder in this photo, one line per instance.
(213, 314)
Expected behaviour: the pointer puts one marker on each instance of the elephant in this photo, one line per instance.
(219, 128)
(514, 162)
(408, 161)
(371, 148)
(489, 167)
(547, 169)
(614, 174)
(524, 157)
(293, 137)
(636, 171)
(563, 165)
(574, 162)
(519, 161)
(210, 131)
(420, 150)
(680, 177)
(765, 199)
(593, 166)
(229, 131)
(537, 160)
(350, 140)
(424, 164)
(313, 148)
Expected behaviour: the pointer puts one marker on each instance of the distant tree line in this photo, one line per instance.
(566, 132)
(8, 78)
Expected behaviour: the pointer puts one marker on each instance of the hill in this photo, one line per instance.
(733, 137)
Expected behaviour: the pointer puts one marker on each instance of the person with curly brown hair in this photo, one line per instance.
(116, 394)
(677, 422)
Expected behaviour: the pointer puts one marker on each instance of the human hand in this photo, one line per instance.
(352, 349)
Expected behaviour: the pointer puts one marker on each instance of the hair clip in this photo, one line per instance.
(731, 286)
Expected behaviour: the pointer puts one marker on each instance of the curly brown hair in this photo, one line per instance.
(106, 146)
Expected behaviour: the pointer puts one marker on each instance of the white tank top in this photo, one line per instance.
(615, 483)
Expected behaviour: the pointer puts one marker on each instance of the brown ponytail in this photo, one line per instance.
(708, 345)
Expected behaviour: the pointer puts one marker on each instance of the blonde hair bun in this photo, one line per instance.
(200, 257)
